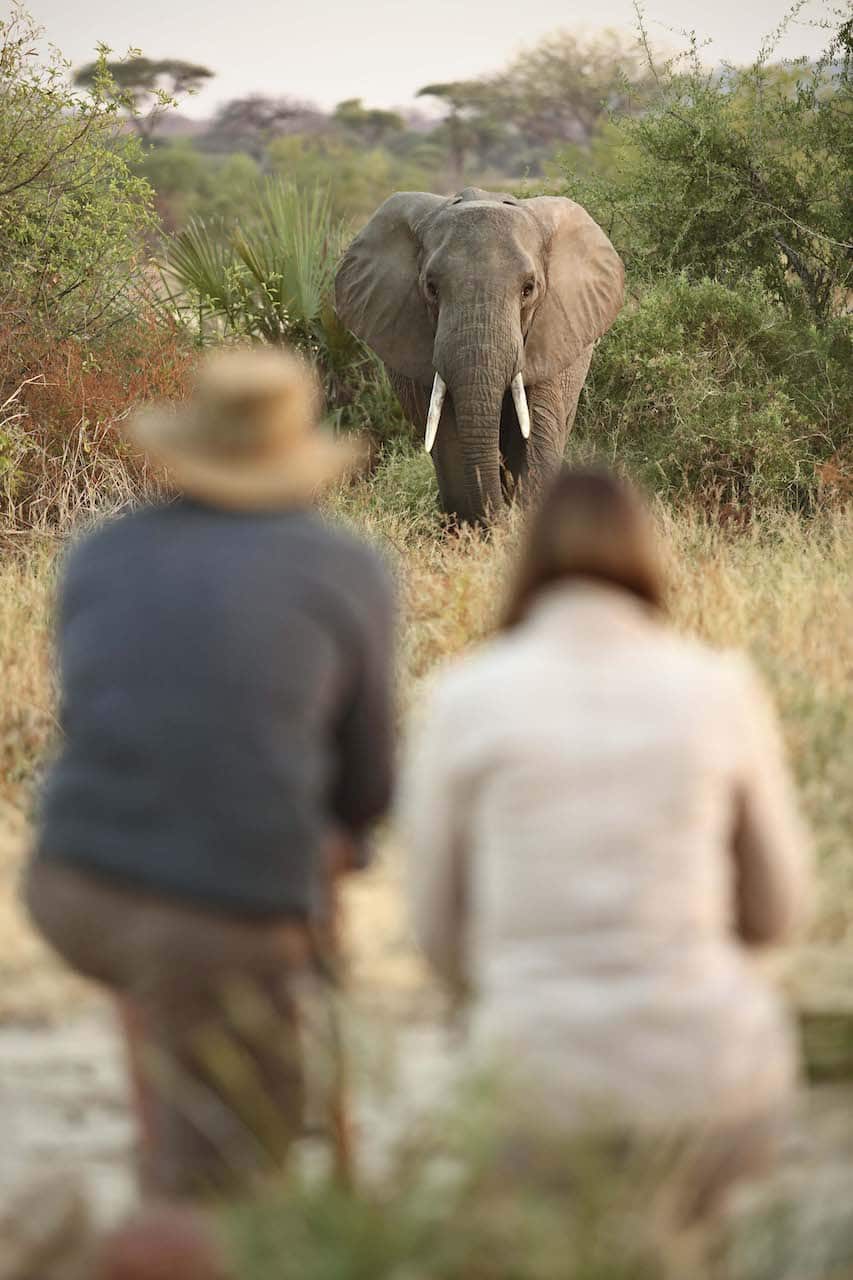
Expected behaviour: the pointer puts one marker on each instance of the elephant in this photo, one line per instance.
(484, 310)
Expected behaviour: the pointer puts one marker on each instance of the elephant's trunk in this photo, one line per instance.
(477, 405)
(478, 361)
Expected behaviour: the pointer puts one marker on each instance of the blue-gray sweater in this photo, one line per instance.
(225, 699)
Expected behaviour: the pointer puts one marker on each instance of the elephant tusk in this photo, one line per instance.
(519, 399)
(439, 389)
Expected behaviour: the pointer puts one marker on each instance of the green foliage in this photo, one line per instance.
(478, 1194)
(727, 174)
(565, 86)
(250, 123)
(558, 92)
(712, 390)
(290, 254)
(358, 174)
(72, 212)
(270, 277)
(455, 1206)
(367, 124)
(357, 178)
(192, 184)
(403, 487)
(497, 128)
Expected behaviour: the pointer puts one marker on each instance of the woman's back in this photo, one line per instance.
(608, 800)
(605, 763)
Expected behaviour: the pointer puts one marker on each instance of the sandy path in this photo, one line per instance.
(63, 1097)
(63, 1101)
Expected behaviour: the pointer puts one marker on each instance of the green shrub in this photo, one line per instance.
(402, 487)
(470, 1196)
(270, 277)
(731, 173)
(711, 390)
(78, 341)
(357, 177)
(477, 1194)
(190, 183)
(72, 212)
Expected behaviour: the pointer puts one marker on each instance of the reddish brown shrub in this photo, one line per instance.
(62, 450)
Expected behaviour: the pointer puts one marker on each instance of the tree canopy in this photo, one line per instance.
(144, 87)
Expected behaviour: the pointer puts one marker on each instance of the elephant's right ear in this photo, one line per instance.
(376, 286)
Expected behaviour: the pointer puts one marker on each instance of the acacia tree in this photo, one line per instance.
(564, 88)
(144, 87)
(468, 109)
(252, 122)
(560, 91)
(370, 125)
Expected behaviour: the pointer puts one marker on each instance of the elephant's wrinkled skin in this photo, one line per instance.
(479, 288)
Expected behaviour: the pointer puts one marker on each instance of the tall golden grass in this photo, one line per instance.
(778, 587)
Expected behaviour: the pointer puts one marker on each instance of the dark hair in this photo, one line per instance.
(589, 524)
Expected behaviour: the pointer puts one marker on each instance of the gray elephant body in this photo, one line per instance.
(480, 288)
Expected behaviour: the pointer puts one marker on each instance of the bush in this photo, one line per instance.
(270, 277)
(728, 174)
(403, 487)
(62, 452)
(469, 1195)
(72, 213)
(480, 1194)
(192, 184)
(711, 390)
(78, 344)
(358, 177)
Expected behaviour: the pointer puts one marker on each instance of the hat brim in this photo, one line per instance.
(297, 476)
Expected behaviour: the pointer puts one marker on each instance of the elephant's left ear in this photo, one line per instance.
(584, 288)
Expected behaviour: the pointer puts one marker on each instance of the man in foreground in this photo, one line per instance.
(225, 662)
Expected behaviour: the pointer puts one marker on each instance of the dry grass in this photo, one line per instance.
(27, 717)
(779, 588)
(63, 455)
(69, 480)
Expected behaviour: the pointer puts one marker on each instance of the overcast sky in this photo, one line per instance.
(380, 50)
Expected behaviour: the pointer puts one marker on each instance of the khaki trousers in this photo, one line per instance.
(230, 1023)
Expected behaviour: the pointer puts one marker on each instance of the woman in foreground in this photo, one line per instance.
(603, 834)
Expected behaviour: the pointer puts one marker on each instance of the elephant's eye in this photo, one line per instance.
(431, 290)
(527, 291)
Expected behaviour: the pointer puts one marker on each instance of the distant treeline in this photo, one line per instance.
(499, 128)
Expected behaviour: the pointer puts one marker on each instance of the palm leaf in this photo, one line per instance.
(203, 265)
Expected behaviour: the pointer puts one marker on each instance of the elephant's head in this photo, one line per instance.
(475, 294)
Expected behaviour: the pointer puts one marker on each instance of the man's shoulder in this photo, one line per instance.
(110, 535)
(348, 559)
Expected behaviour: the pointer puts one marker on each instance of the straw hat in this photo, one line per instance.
(248, 438)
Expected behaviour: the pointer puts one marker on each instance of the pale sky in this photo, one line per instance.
(383, 50)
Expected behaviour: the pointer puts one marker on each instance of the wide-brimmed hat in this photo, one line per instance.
(249, 436)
